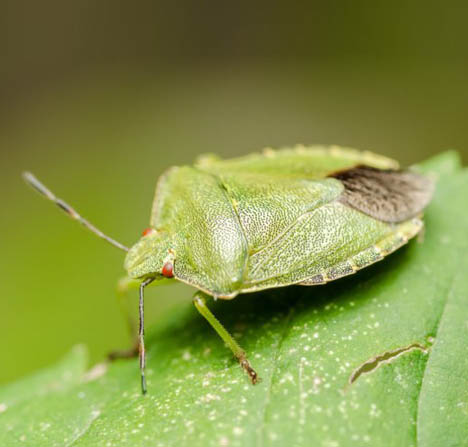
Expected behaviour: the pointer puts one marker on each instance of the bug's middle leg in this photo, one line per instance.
(199, 300)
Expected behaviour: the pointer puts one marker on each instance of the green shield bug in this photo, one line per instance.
(306, 215)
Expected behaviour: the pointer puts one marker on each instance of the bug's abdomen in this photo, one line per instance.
(404, 232)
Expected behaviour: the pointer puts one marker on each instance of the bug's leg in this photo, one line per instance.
(141, 333)
(139, 347)
(199, 300)
(124, 285)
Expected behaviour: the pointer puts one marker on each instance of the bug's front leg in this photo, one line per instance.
(139, 347)
(199, 300)
(124, 285)
(141, 334)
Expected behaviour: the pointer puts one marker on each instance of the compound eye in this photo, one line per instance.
(148, 231)
(168, 269)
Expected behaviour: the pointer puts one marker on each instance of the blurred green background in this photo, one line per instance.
(98, 98)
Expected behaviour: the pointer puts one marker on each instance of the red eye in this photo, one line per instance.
(168, 270)
(148, 231)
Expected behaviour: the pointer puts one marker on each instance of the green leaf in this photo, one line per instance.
(376, 359)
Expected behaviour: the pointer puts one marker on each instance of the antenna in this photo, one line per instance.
(43, 190)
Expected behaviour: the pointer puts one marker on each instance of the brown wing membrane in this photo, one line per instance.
(387, 195)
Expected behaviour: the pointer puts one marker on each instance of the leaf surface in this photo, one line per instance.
(378, 359)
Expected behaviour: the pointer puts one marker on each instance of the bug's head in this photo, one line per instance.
(152, 255)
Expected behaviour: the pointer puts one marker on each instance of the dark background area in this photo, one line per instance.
(98, 98)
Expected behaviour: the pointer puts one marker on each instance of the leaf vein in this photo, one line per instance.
(274, 366)
(437, 326)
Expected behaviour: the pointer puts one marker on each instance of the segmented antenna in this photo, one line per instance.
(40, 188)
